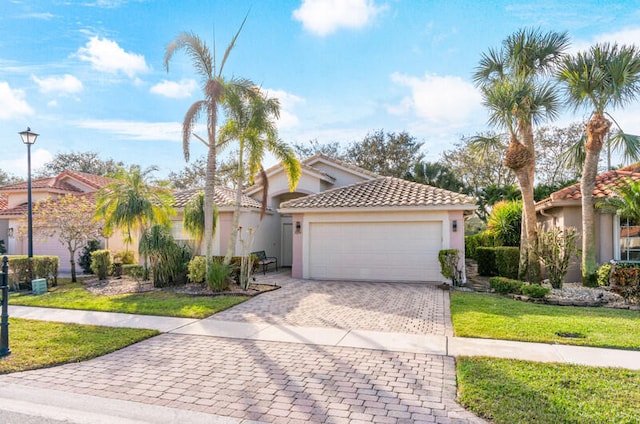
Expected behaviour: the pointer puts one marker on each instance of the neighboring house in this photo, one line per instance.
(13, 212)
(616, 238)
(346, 223)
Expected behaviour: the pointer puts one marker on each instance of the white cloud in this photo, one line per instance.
(175, 90)
(323, 17)
(66, 84)
(627, 36)
(129, 130)
(18, 166)
(107, 56)
(13, 103)
(288, 102)
(439, 99)
(52, 103)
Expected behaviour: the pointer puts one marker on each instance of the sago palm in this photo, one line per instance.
(518, 95)
(604, 77)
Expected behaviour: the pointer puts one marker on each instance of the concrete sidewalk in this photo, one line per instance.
(323, 336)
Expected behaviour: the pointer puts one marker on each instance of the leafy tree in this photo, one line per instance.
(543, 191)
(193, 219)
(552, 143)
(70, 219)
(193, 175)
(6, 178)
(88, 162)
(606, 76)
(332, 150)
(214, 87)
(505, 222)
(129, 203)
(388, 154)
(437, 175)
(251, 122)
(515, 91)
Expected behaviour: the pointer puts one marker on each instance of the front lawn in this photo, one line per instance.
(495, 317)
(74, 296)
(510, 391)
(40, 344)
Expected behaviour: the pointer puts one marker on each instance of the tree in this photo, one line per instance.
(193, 175)
(332, 150)
(606, 76)
(251, 122)
(518, 96)
(437, 175)
(6, 178)
(88, 162)
(70, 219)
(552, 143)
(214, 87)
(193, 219)
(388, 154)
(626, 201)
(130, 204)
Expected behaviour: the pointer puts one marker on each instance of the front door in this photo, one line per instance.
(287, 244)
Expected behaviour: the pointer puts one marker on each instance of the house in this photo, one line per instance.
(13, 211)
(343, 222)
(616, 238)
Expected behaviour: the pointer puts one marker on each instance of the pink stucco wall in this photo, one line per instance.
(456, 238)
(225, 220)
(296, 263)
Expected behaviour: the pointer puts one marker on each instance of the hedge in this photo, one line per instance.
(20, 273)
(507, 261)
(504, 285)
(197, 272)
(486, 257)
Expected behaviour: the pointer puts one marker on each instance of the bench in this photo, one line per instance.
(265, 260)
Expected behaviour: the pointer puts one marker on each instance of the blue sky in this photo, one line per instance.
(88, 75)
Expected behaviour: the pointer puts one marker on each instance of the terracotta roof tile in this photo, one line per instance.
(605, 183)
(223, 197)
(21, 209)
(341, 163)
(41, 183)
(95, 181)
(3, 202)
(380, 192)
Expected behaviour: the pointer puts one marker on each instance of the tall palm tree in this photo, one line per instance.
(214, 87)
(606, 76)
(193, 219)
(518, 95)
(251, 122)
(131, 204)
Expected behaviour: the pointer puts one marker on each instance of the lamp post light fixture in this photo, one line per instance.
(28, 138)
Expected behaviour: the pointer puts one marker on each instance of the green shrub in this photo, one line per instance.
(133, 270)
(449, 259)
(219, 275)
(3, 249)
(197, 269)
(85, 256)
(169, 259)
(604, 272)
(505, 222)
(22, 271)
(486, 257)
(100, 263)
(126, 257)
(554, 250)
(505, 285)
(483, 239)
(507, 260)
(535, 290)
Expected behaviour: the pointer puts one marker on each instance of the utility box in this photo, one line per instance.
(39, 286)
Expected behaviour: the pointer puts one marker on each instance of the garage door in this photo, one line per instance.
(377, 251)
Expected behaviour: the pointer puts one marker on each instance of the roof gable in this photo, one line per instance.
(381, 192)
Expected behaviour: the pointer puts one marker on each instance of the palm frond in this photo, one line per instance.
(189, 122)
(231, 45)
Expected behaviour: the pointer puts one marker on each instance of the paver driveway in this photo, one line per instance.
(285, 382)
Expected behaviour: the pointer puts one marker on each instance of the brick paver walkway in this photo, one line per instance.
(390, 307)
(267, 381)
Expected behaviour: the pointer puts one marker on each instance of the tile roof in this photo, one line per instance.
(95, 181)
(605, 184)
(342, 163)
(22, 208)
(223, 197)
(380, 192)
(41, 183)
(3, 202)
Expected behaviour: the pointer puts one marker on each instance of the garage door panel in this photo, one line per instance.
(386, 251)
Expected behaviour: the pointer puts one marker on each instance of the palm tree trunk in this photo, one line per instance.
(209, 195)
(231, 247)
(596, 129)
(525, 180)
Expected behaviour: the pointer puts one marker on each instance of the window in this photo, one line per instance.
(629, 240)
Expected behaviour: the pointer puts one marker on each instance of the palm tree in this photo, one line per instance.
(129, 203)
(251, 121)
(606, 76)
(214, 87)
(518, 96)
(193, 219)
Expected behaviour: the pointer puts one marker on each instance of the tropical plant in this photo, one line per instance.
(130, 204)
(604, 77)
(214, 87)
(70, 219)
(193, 219)
(251, 122)
(518, 96)
(555, 249)
(449, 260)
(505, 222)
(436, 174)
(197, 269)
(169, 260)
(218, 275)
(100, 263)
(85, 257)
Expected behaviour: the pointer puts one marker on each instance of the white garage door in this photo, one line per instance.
(379, 251)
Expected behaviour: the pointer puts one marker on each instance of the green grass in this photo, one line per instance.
(509, 391)
(74, 296)
(495, 317)
(40, 344)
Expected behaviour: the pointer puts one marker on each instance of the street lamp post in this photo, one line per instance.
(28, 138)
